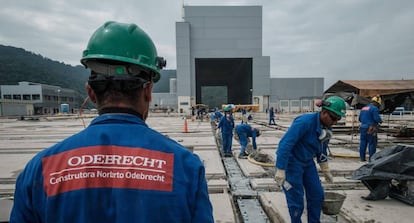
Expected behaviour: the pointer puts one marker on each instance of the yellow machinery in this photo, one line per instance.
(238, 108)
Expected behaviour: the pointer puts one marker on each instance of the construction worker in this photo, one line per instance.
(226, 126)
(272, 116)
(244, 115)
(217, 114)
(370, 121)
(242, 133)
(117, 169)
(296, 172)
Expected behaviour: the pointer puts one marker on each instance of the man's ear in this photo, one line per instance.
(91, 93)
(148, 91)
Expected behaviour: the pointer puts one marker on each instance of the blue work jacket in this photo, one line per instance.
(226, 124)
(369, 116)
(302, 141)
(248, 131)
(116, 170)
(218, 115)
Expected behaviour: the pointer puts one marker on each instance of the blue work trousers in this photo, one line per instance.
(367, 139)
(227, 141)
(243, 142)
(304, 178)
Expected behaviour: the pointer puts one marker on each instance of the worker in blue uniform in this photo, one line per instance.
(117, 169)
(217, 115)
(226, 126)
(370, 121)
(242, 133)
(272, 116)
(244, 115)
(296, 172)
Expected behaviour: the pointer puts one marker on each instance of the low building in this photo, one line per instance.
(29, 98)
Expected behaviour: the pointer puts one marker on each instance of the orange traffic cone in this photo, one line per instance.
(185, 126)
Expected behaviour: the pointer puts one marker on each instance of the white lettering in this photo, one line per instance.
(71, 176)
(116, 160)
(142, 176)
(109, 174)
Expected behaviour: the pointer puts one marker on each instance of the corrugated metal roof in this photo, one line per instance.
(369, 88)
(381, 84)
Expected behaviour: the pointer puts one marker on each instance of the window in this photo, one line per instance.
(295, 103)
(35, 97)
(284, 103)
(7, 96)
(17, 97)
(26, 97)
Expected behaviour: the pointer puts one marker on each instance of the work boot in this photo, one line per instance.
(243, 155)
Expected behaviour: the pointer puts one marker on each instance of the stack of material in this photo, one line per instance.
(351, 118)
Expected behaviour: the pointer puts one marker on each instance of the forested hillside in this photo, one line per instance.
(17, 64)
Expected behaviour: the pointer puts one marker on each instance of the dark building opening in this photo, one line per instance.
(223, 81)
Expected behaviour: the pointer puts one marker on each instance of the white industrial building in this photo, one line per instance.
(29, 98)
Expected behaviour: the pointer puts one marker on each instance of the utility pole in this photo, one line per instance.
(58, 100)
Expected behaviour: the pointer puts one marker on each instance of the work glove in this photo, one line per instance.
(236, 137)
(326, 172)
(280, 177)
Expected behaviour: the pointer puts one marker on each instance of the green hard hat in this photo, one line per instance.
(228, 108)
(123, 43)
(336, 105)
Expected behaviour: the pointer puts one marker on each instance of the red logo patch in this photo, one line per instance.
(108, 166)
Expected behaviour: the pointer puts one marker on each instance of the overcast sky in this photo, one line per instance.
(334, 39)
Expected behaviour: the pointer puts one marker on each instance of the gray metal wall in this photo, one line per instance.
(183, 59)
(295, 88)
(295, 94)
(220, 32)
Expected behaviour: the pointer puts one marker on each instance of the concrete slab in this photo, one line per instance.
(12, 164)
(264, 184)
(212, 163)
(222, 208)
(5, 209)
(354, 209)
(388, 210)
(249, 169)
(275, 206)
(217, 186)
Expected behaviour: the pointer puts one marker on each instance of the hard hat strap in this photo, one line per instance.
(120, 71)
(100, 82)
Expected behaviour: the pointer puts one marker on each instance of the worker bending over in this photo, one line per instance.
(242, 133)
